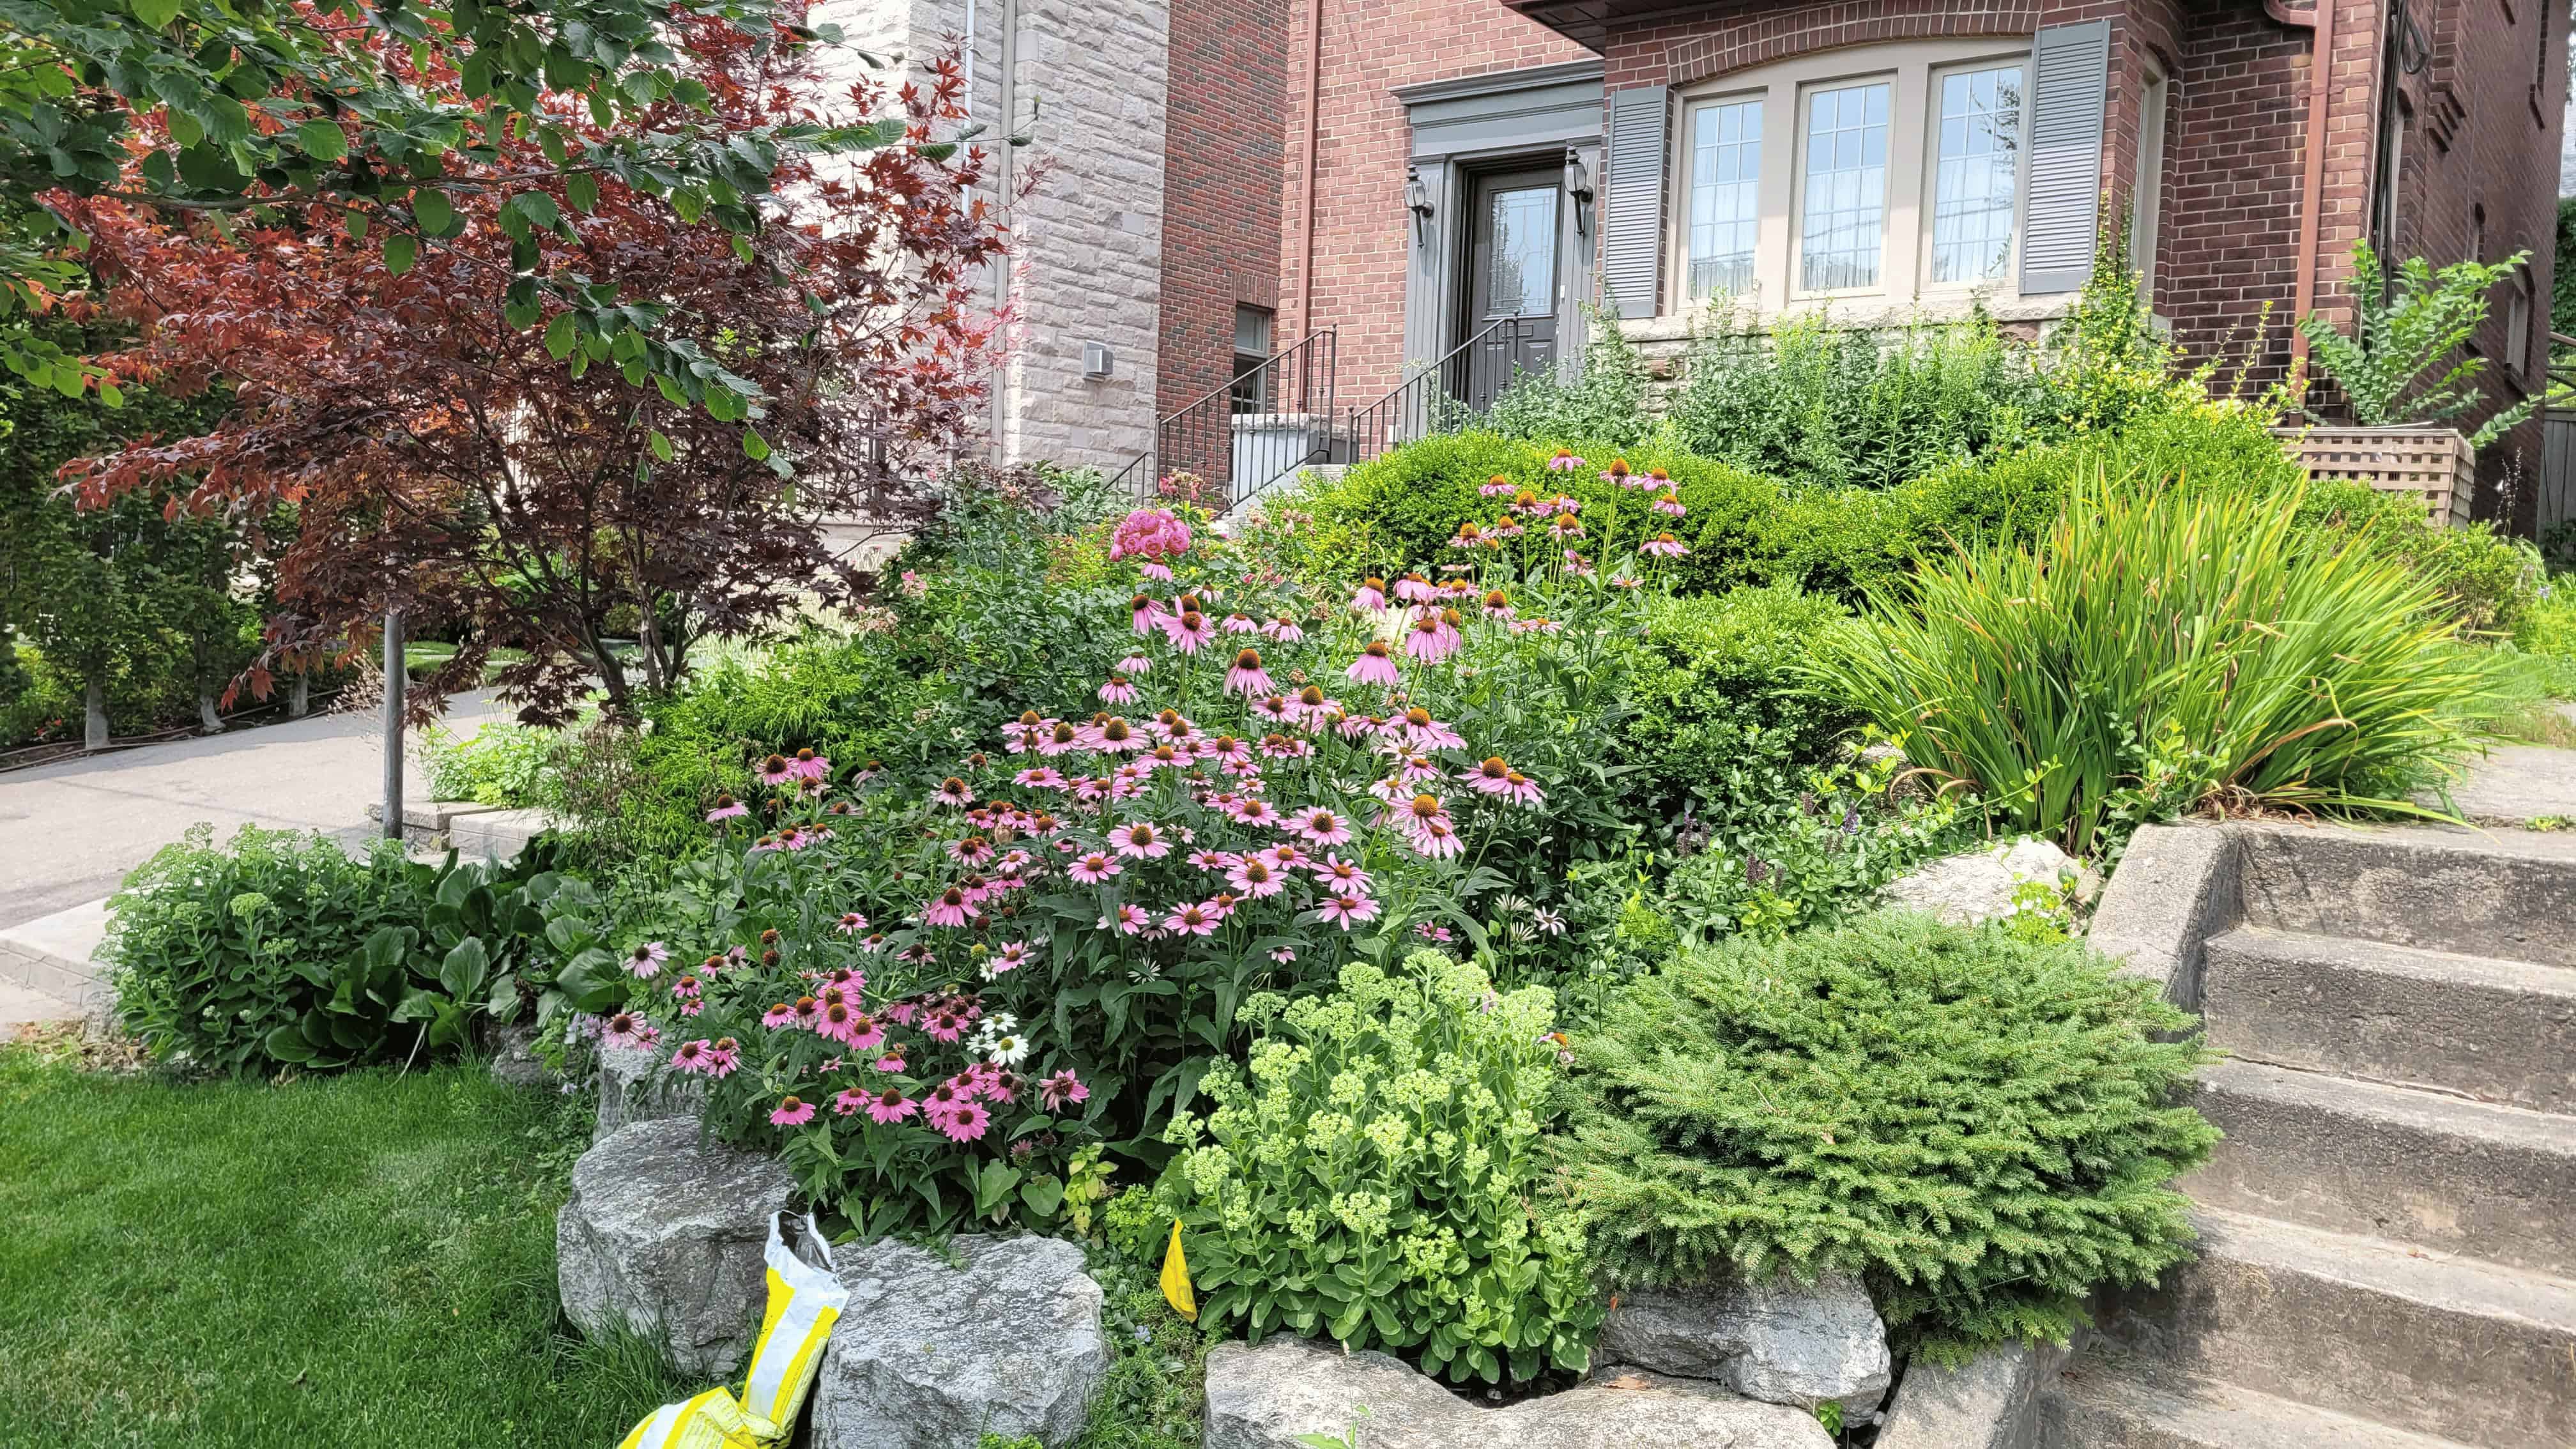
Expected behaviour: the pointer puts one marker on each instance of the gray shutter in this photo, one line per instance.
(2070, 80)
(1632, 233)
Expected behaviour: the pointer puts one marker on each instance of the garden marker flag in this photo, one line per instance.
(1176, 1278)
(805, 1300)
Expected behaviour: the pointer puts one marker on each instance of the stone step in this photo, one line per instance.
(2432, 1344)
(2501, 1031)
(2499, 893)
(2112, 1401)
(2439, 1172)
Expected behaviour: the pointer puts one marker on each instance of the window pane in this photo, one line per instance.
(1845, 218)
(1977, 176)
(1726, 175)
(1520, 277)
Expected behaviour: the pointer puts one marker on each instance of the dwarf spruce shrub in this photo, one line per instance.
(1985, 1129)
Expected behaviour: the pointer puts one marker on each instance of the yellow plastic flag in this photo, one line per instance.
(1176, 1278)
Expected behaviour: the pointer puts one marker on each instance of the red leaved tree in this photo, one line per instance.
(442, 458)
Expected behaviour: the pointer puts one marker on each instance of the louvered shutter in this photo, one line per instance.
(1632, 235)
(2070, 80)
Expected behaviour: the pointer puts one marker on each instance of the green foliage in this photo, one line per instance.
(504, 765)
(1981, 1127)
(1375, 1179)
(1156, 1392)
(2481, 579)
(279, 950)
(2548, 633)
(2404, 362)
(1607, 399)
(2562, 275)
(2189, 645)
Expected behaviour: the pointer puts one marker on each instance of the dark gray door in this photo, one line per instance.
(1515, 266)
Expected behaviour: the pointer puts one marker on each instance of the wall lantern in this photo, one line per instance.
(1578, 185)
(1417, 199)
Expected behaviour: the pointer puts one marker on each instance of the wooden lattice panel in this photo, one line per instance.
(2435, 464)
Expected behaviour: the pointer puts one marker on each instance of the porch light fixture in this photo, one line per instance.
(1417, 199)
(1578, 185)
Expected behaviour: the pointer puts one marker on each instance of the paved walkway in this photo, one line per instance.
(69, 831)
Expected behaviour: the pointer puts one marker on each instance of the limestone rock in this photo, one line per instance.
(635, 1087)
(515, 1062)
(1263, 1398)
(663, 1235)
(931, 1356)
(1979, 885)
(1780, 1341)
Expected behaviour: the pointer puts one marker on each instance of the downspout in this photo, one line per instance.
(2312, 180)
(1314, 43)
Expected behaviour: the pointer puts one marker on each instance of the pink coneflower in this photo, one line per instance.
(1144, 612)
(1230, 750)
(1254, 811)
(873, 941)
(1422, 811)
(626, 1029)
(1505, 527)
(841, 1022)
(1498, 605)
(1044, 777)
(1117, 690)
(1498, 486)
(966, 1122)
(1670, 505)
(1061, 737)
(1021, 735)
(1566, 526)
(1284, 955)
(892, 1061)
(1415, 589)
(1469, 535)
(1139, 841)
(1319, 826)
(891, 1106)
(1520, 789)
(645, 961)
(1188, 631)
(1492, 777)
(695, 1057)
(1423, 732)
(1284, 629)
(1342, 911)
(1213, 859)
(1062, 1090)
(1376, 666)
(1311, 703)
(686, 988)
(954, 792)
(792, 1112)
(1358, 726)
(1115, 736)
(1282, 747)
(776, 770)
(810, 766)
(970, 850)
(1275, 709)
(1190, 920)
(1564, 462)
(1430, 639)
(1663, 545)
(850, 1101)
(1371, 594)
(1438, 839)
(1241, 623)
(1010, 958)
(1222, 904)
(1130, 919)
(1430, 932)
(727, 808)
(1247, 677)
(1256, 878)
(948, 908)
(866, 1034)
(1286, 855)
(1092, 869)
(916, 955)
(852, 923)
(1619, 473)
(1540, 624)
(944, 1025)
(723, 1057)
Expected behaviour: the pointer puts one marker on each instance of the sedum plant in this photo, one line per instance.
(2405, 327)
(1982, 1127)
(1375, 1178)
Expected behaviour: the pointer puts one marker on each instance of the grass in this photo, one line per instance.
(362, 1259)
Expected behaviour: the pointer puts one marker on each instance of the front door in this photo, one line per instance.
(1515, 266)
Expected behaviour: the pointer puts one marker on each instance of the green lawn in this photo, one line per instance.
(360, 1260)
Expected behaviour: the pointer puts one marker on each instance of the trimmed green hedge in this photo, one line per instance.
(1717, 715)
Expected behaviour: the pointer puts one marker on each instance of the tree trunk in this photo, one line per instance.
(299, 696)
(95, 734)
(208, 722)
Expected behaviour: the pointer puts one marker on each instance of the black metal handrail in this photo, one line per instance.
(1241, 438)
(1442, 396)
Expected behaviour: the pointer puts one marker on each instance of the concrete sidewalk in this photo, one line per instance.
(69, 831)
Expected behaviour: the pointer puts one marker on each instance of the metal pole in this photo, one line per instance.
(394, 680)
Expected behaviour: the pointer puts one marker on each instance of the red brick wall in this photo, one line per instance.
(1357, 192)
(1223, 145)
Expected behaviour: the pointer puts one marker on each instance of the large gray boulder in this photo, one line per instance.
(1981, 885)
(930, 1355)
(1779, 1341)
(635, 1085)
(1263, 1398)
(663, 1236)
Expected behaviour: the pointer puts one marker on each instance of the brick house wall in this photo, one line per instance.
(1225, 133)
(1355, 195)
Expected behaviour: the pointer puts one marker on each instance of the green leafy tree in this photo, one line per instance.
(2404, 363)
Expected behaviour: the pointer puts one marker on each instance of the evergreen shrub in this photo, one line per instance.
(1984, 1129)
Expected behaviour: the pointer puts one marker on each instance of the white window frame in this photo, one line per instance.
(1912, 69)
(2147, 186)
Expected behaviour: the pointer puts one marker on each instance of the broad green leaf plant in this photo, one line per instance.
(2404, 363)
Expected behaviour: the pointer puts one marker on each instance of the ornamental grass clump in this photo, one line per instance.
(1983, 1128)
(2157, 651)
(1375, 1179)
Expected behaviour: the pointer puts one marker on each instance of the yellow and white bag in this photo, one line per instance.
(805, 1300)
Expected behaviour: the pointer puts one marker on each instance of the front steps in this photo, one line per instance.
(2387, 1254)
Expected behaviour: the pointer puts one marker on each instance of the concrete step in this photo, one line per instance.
(2500, 1031)
(26, 1006)
(2439, 1172)
(2420, 1341)
(2113, 1401)
(2509, 894)
(55, 956)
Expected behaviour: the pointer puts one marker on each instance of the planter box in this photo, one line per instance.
(2435, 464)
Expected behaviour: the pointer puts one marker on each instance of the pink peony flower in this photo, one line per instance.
(1156, 535)
(792, 1112)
